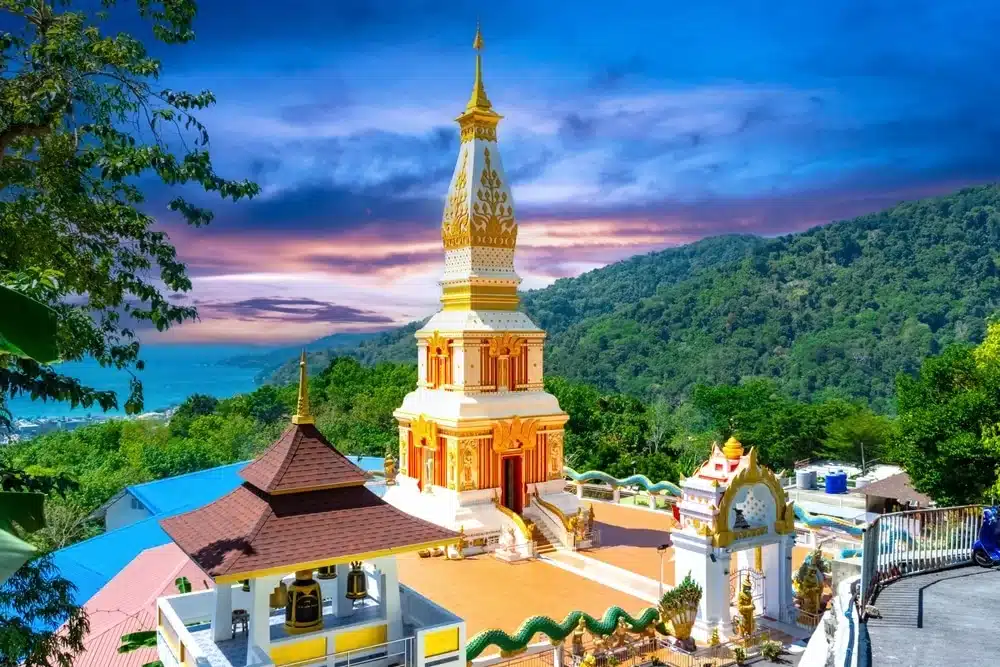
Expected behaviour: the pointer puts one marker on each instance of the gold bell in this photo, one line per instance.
(357, 583)
(279, 598)
(327, 572)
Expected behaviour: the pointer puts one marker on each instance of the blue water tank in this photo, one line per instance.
(836, 482)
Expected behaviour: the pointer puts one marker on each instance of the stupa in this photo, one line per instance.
(480, 438)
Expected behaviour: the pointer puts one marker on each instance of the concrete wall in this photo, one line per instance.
(124, 512)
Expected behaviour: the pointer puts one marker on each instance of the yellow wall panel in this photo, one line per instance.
(440, 641)
(363, 638)
(282, 654)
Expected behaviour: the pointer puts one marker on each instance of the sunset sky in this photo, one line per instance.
(629, 127)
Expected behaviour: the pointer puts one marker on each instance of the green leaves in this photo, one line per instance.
(137, 640)
(27, 327)
(82, 131)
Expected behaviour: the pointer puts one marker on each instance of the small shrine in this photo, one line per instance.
(307, 551)
(734, 505)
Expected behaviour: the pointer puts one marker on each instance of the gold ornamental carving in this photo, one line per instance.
(492, 216)
(452, 465)
(555, 444)
(514, 435)
(438, 345)
(483, 132)
(455, 225)
(424, 432)
(404, 441)
(506, 345)
(753, 473)
(470, 464)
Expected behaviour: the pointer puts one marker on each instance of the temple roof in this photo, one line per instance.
(249, 533)
(302, 460)
(303, 505)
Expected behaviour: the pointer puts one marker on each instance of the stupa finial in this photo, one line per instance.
(478, 100)
(302, 414)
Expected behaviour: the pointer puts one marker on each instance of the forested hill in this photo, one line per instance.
(837, 310)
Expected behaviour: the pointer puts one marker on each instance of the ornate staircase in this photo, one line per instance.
(545, 541)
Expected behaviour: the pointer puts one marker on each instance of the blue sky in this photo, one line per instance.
(629, 127)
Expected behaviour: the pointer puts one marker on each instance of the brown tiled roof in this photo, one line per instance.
(898, 487)
(249, 530)
(301, 459)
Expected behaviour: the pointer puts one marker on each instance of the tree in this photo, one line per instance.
(82, 128)
(40, 625)
(858, 437)
(947, 418)
(195, 405)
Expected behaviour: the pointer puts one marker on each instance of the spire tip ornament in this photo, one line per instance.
(302, 414)
(478, 101)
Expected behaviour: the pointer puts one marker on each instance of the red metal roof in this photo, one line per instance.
(301, 460)
(127, 604)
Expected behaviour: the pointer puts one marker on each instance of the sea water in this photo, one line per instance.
(172, 373)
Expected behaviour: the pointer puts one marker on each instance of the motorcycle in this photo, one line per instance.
(986, 550)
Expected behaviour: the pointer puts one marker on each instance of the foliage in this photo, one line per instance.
(947, 429)
(771, 650)
(28, 328)
(836, 311)
(40, 626)
(83, 131)
(739, 655)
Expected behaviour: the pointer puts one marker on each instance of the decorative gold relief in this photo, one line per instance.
(476, 131)
(470, 464)
(437, 345)
(455, 224)
(752, 474)
(452, 468)
(404, 441)
(424, 432)
(506, 345)
(514, 435)
(492, 216)
(555, 442)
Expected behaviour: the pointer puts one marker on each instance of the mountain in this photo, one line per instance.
(838, 310)
(273, 359)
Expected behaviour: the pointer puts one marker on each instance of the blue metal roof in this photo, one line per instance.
(93, 563)
(195, 488)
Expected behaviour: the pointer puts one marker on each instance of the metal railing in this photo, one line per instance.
(400, 652)
(905, 543)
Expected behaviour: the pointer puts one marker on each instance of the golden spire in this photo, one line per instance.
(478, 100)
(302, 414)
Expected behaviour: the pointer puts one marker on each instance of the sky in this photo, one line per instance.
(628, 127)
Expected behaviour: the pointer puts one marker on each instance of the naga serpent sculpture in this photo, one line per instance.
(556, 632)
(631, 480)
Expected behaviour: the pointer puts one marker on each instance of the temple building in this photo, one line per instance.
(479, 438)
(302, 556)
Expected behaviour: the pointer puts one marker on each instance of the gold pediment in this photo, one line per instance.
(752, 474)
(425, 432)
(437, 345)
(506, 345)
(514, 435)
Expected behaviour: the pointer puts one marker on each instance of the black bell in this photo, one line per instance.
(246, 585)
(357, 582)
(327, 572)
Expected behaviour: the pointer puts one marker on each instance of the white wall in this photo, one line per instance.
(124, 512)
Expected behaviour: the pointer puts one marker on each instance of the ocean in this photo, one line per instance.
(172, 373)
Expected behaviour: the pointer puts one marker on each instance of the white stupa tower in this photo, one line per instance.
(479, 436)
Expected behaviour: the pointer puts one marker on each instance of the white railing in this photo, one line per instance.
(420, 612)
(398, 652)
(905, 543)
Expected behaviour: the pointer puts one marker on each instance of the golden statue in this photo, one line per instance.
(389, 467)
(590, 520)
(746, 608)
(460, 547)
(576, 642)
(620, 635)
